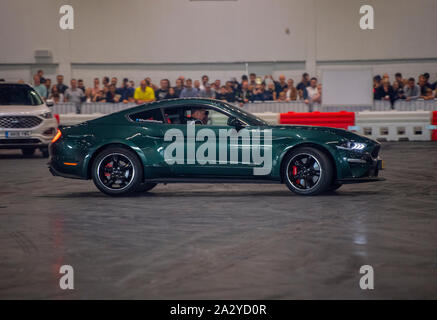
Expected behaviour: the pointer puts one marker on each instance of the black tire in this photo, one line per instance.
(45, 152)
(334, 186)
(117, 171)
(307, 171)
(28, 152)
(144, 187)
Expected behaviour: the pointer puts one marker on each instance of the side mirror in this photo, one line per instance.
(234, 122)
(50, 103)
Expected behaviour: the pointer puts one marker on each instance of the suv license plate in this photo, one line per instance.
(17, 134)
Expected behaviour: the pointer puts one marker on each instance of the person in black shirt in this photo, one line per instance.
(304, 83)
(179, 87)
(60, 83)
(244, 95)
(171, 94)
(281, 85)
(162, 92)
(385, 92)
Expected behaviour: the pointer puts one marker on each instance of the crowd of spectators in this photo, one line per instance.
(249, 89)
(401, 88)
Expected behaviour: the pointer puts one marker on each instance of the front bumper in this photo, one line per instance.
(36, 137)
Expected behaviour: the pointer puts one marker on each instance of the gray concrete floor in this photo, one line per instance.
(220, 241)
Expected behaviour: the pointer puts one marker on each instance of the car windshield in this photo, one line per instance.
(251, 118)
(11, 94)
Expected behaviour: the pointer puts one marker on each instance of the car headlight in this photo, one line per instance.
(47, 115)
(351, 145)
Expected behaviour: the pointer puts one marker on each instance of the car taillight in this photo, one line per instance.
(57, 136)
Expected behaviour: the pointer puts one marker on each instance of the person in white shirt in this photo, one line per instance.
(312, 92)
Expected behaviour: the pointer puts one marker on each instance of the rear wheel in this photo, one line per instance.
(307, 171)
(117, 171)
(27, 152)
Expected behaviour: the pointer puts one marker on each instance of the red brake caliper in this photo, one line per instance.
(108, 165)
(295, 173)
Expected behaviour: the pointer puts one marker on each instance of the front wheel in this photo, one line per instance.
(307, 171)
(334, 186)
(117, 171)
(144, 187)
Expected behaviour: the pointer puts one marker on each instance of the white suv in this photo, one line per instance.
(26, 121)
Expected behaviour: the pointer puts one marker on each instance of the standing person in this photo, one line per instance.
(398, 91)
(311, 92)
(60, 84)
(171, 94)
(55, 95)
(75, 95)
(96, 87)
(162, 92)
(243, 96)
(114, 81)
(207, 92)
(189, 91)
(81, 85)
(385, 92)
(291, 93)
(39, 87)
(411, 90)
(126, 92)
(112, 96)
(179, 86)
(423, 84)
(400, 80)
(205, 80)
(144, 93)
(304, 83)
(40, 74)
(105, 81)
(281, 85)
(252, 79)
(197, 85)
(48, 85)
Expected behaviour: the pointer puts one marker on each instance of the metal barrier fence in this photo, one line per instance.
(260, 107)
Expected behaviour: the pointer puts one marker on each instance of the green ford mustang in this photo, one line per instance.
(206, 140)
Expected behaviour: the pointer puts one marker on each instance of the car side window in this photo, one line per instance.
(154, 115)
(174, 115)
(198, 114)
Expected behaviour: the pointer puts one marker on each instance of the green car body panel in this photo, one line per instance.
(79, 145)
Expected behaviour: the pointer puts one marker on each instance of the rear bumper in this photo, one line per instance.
(55, 172)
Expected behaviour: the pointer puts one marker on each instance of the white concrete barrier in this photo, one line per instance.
(270, 117)
(394, 125)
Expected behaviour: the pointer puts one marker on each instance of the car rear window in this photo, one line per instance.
(153, 115)
(11, 94)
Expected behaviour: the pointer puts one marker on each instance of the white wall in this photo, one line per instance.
(165, 38)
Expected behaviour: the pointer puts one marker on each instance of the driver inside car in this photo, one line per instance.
(198, 116)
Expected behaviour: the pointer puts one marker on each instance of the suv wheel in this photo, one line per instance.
(45, 152)
(117, 171)
(27, 152)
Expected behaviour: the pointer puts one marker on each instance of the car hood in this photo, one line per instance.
(348, 135)
(23, 110)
